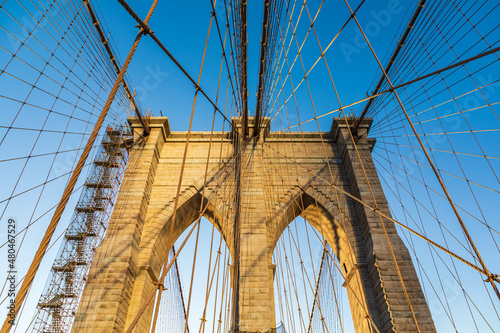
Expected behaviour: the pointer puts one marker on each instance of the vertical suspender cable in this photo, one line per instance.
(391, 62)
(243, 41)
(490, 277)
(30, 275)
(112, 57)
(263, 56)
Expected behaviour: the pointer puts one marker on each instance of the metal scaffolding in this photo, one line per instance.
(59, 301)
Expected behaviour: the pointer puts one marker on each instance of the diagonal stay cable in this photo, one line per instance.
(115, 64)
(147, 30)
(341, 190)
(490, 277)
(391, 62)
(30, 275)
(481, 55)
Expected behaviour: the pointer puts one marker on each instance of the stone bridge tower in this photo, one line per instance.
(251, 199)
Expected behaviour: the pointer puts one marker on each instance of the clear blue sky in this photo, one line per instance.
(182, 26)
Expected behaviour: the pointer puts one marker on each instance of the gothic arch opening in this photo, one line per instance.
(201, 280)
(210, 291)
(327, 222)
(189, 208)
(126, 275)
(315, 261)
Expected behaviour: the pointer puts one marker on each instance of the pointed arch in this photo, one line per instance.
(324, 214)
(155, 244)
(319, 211)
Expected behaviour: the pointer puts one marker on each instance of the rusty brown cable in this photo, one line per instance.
(490, 276)
(468, 263)
(298, 115)
(203, 192)
(148, 31)
(399, 46)
(112, 57)
(71, 184)
(150, 297)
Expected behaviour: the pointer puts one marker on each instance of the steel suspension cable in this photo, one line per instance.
(491, 277)
(147, 30)
(69, 188)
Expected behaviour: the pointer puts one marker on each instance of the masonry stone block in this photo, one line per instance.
(253, 189)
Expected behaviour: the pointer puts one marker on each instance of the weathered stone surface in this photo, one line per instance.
(251, 199)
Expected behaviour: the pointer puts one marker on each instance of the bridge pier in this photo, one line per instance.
(253, 273)
(271, 190)
(107, 297)
(392, 292)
